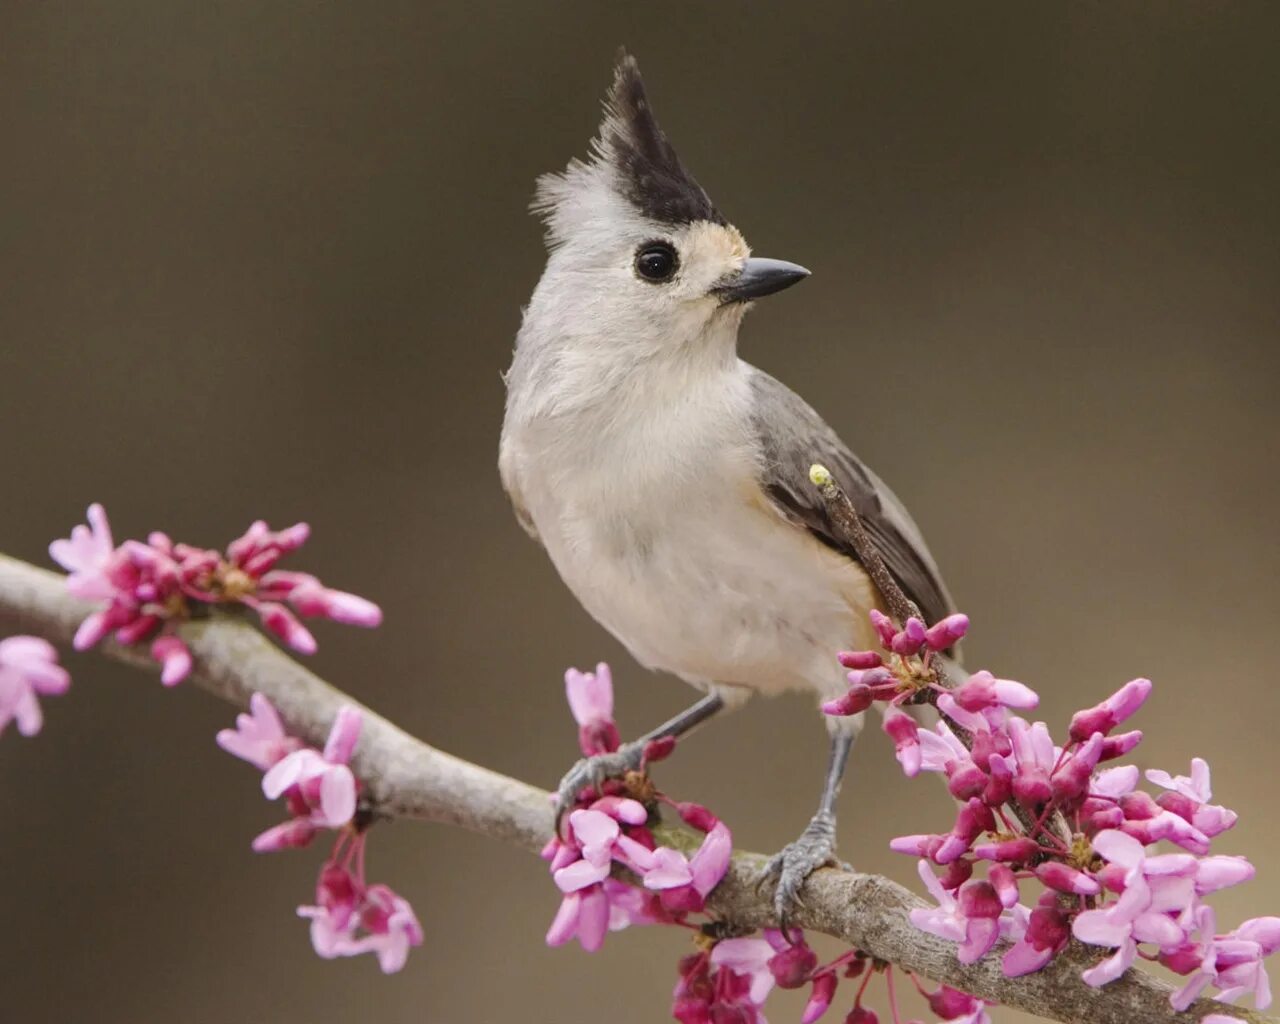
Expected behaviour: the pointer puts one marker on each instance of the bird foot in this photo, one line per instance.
(795, 862)
(594, 771)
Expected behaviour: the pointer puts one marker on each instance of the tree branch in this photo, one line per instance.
(405, 777)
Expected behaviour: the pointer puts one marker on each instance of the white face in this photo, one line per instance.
(613, 275)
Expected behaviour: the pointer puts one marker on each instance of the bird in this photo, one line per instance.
(667, 478)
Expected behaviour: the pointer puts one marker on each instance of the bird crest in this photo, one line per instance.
(630, 157)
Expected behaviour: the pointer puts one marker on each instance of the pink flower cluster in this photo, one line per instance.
(731, 981)
(349, 916)
(726, 981)
(611, 828)
(28, 669)
(1101, 877)
(147, 587)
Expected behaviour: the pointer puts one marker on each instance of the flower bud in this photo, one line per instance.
(947, 632)
(1005, 883)
(1010, 851)
(824, 990)
(1111, 712)
(860, 660)
(1063, 878)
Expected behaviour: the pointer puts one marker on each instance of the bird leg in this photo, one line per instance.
(816, 846)
(593, 771)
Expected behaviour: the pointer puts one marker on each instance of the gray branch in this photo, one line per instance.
(407, 778)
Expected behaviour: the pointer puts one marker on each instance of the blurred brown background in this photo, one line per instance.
(268, 260)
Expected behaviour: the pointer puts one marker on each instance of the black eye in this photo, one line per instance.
(656, 261)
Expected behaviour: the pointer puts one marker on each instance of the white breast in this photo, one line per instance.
(658, 527)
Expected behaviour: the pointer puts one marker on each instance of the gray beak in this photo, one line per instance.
(758, 278)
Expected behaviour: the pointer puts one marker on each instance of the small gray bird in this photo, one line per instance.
(668, 479)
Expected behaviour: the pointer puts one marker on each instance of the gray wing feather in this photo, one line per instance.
(793, 437)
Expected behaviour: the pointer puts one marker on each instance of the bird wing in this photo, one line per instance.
(793, 437)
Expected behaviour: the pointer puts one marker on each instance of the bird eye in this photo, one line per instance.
(656, 261)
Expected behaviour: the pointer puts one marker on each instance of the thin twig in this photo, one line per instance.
(850, 528)
(410, 779)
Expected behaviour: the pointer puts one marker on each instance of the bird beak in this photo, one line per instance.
(758, 278)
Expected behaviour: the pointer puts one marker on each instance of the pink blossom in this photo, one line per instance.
(708, 993)
(685, 884)
(350, 918)
(1045, 935)
(259, 736)
(595, 834)
(1231, 962)
(793, 961)
(972, 921)
(1155, 888)
(902, 729)
(147, 588)
(85, 556)
(591, 702)
(1188, 797)
(174, 657)
(914, 638)
(1111, 712)
(983, 690)
(313, 599)
(946, 632)
(629, 905)
(320, 787)
(955, 1007)
(749, 958)
(28, 669)
(583, 915)
(824, 990)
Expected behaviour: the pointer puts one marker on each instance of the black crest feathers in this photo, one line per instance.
(649, 173)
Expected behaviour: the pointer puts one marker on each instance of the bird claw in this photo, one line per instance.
(791, 866)
(594, 771)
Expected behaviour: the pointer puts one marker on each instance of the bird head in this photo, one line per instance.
(637, 250)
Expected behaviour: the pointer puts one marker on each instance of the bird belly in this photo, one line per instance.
(715, 587)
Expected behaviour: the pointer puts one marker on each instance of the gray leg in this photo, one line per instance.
(816, 846)
(593, 771)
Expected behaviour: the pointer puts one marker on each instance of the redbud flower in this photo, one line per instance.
(1111, 712)
(85, 556)
(583, 915)
(717, 993)
(859, 660)
(591, 702)
(148, 586)
(685, 884)
(972, 921)
(1188, 797)
(313, 599)
(946, 632)
(824, 990)
(1230, 962)
(1047, 931)
(28, 668)
(350, 918)
(956, 1007)
(748, 958)
(983, 690)
(793, 961)
(320, 787)
(1141, 914)
(259, 736)
(902, 729)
